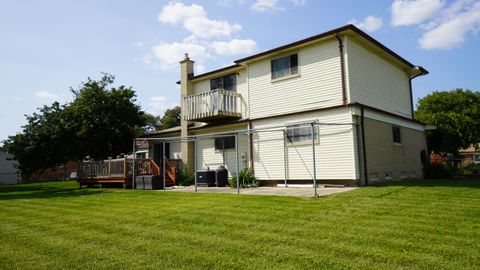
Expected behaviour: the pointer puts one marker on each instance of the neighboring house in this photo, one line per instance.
(356, 90)
(470, 155)
(8, 171)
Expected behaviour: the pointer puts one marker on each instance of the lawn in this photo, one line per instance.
(415, 224)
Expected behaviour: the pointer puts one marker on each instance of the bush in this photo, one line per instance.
(435, 171)
(186, 177)
(247, 180)
(472, 169)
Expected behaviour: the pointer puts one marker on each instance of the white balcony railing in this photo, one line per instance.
(212, 105)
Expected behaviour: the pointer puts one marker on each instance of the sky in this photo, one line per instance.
(49, 46)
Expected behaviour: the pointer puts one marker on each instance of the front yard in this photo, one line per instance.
(416, 224)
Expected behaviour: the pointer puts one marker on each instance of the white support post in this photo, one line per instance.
(314, 162)
(195, 163)
(285, 157)
(238, 166)
(163, 165)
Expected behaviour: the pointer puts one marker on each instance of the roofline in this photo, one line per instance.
(326, 34)
(234, 66)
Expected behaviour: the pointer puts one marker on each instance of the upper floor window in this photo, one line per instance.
(300, 133)
(228, 82)
(285, 66)
(397, 138)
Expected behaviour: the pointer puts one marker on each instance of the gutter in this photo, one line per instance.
(342, 68)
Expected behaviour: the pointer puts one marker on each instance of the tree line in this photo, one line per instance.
(100, 122)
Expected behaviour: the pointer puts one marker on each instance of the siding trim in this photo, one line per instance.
(364, 148)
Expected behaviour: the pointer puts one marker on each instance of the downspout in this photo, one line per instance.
(422, 72)
(342, 69)
(364, 148)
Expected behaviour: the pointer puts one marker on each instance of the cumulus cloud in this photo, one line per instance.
(235, 47)
(450, 30)
(169, 54)
(46, 95)
(408, 12)
(266, 5)
(369, 24)
(444, 27)
(194, 19)
(208, 38)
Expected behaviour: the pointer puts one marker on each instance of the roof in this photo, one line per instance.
(333, 32)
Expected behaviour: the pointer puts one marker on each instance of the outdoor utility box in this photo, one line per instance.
(139, 184)
(206, 178)
(221, 176)
(153, 182)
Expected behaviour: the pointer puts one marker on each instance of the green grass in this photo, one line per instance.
(408, 225)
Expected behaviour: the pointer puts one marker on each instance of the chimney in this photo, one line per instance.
(186, 89)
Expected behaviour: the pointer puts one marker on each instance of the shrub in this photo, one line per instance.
(473, 169)
(247, 180)
(186, 177)
(435, 171)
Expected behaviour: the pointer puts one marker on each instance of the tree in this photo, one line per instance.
(100, 122)
(456, 114)
(171, 118)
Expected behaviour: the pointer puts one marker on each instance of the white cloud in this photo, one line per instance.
(266, 5)
(46, 95)
(369, 24)
(158, 104)
(178, 12)
(450, 30)
(205, 28)
(169, 54)
(235, 47)
(408, 12)
(138, 44)
(298, 2)
(194, 19)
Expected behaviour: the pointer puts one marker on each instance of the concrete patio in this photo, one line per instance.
(277, 191)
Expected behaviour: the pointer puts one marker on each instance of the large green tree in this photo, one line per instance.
(456, 114)
(171, 118)
(101, 121)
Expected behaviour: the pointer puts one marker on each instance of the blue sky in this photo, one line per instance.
(48, 46)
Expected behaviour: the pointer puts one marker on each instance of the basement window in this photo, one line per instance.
(284, 66)
(397, 136)
(224, 143)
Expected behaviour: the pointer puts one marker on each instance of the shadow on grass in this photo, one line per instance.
(40, 192)
(467, 183)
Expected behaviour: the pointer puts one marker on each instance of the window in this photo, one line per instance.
(300, 133)
(224, 143)
(285, 66)
(397, 138)
(228, 82)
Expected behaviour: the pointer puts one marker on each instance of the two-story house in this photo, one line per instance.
(355, 91)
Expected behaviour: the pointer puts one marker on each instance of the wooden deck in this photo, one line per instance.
(119, 171)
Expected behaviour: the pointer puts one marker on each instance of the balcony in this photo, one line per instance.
(213, 105)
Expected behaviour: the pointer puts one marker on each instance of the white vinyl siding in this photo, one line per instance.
(376, 82)
(335, 149)
(317, 85)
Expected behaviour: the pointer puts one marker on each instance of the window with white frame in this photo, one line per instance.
(285, 66)
(300, 133)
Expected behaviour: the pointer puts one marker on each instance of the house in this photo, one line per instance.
(8, 171)
(470, 155)
(335, 107)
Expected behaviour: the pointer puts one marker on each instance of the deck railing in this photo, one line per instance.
(211, 104)
(117, 168)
